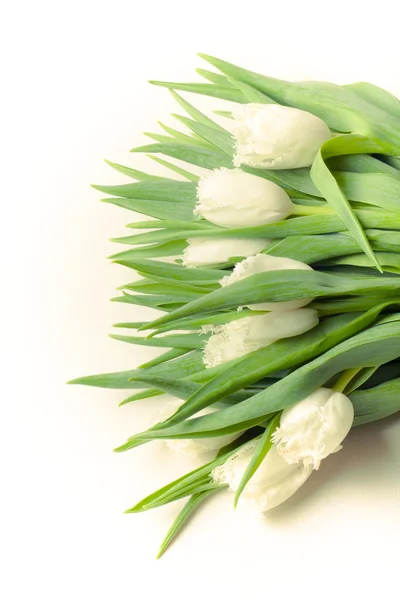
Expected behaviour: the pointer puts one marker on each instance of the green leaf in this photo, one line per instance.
(221, 140)
(390, 261)
(307, 225)
(196, 488)
(377, 402)
(166, 224)
(178, 136)
(160, 189)
(327, 184)
(251, 94)
(332, 103)
(139, 175)
(195, 155)
(149, 393)
(196, 114)
(394, 161)
(379, 189)
(186, 138)
(176, 272)
(168, 492)
(361, 163)
(313, 248)
(339, 106)
(183, 516)
(362, 376)
(220, 80)
(188, 340)
(348, 305)
(173, 248)
(376, 95)
(283, 354)
(196, 322)
(184, 389)
(205, 89)
(247, 436)
(175, 168)
(280, 286)
(260, 452)
(361, 350)
(383, 373)
(159, 209)
(115, 381)
(149, 286)
(130, 324)
(224, 113)
(299, 180)
(184, 366)
(161, 302)
(384, 240)
(166, 139)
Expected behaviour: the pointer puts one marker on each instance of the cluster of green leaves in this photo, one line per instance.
(345, 223)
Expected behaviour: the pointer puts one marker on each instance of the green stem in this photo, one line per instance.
(303, 210)
(345, 379)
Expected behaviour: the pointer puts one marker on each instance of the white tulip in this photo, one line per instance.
(270, 136)
(206, 251)
(198, 446)
(274, 481)
(262, 263)
(314, 428)
(233, 198)
(242, 336)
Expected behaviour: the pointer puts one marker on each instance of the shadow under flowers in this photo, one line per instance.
(358, 465)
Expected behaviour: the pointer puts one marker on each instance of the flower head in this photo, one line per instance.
(233, 198)
(271, 136)
(313, 428)
(262, 263)
(242, 336)
(206, 251)
(274, 481)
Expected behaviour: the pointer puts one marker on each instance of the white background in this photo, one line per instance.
(74, 92)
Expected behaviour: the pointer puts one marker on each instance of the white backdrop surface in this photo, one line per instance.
(74, 93)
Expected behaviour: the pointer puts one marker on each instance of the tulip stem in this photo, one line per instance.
(345, 379)
(306, 210)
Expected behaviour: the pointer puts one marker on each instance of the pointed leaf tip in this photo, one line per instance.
(210, 59)
(122, 448)
(133, 442)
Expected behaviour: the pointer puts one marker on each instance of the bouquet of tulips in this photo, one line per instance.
(277, 271)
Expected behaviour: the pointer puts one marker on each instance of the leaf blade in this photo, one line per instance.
(183, 517)
(260, 452)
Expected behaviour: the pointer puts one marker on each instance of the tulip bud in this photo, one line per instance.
(314, 428)
(262, 263)
(194, 447)
(274, 481)
(233, 198)
(240, 337)
(271, 136)
(206, 251)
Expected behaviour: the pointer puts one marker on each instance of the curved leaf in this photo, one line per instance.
(362, 350)
(327, 184)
